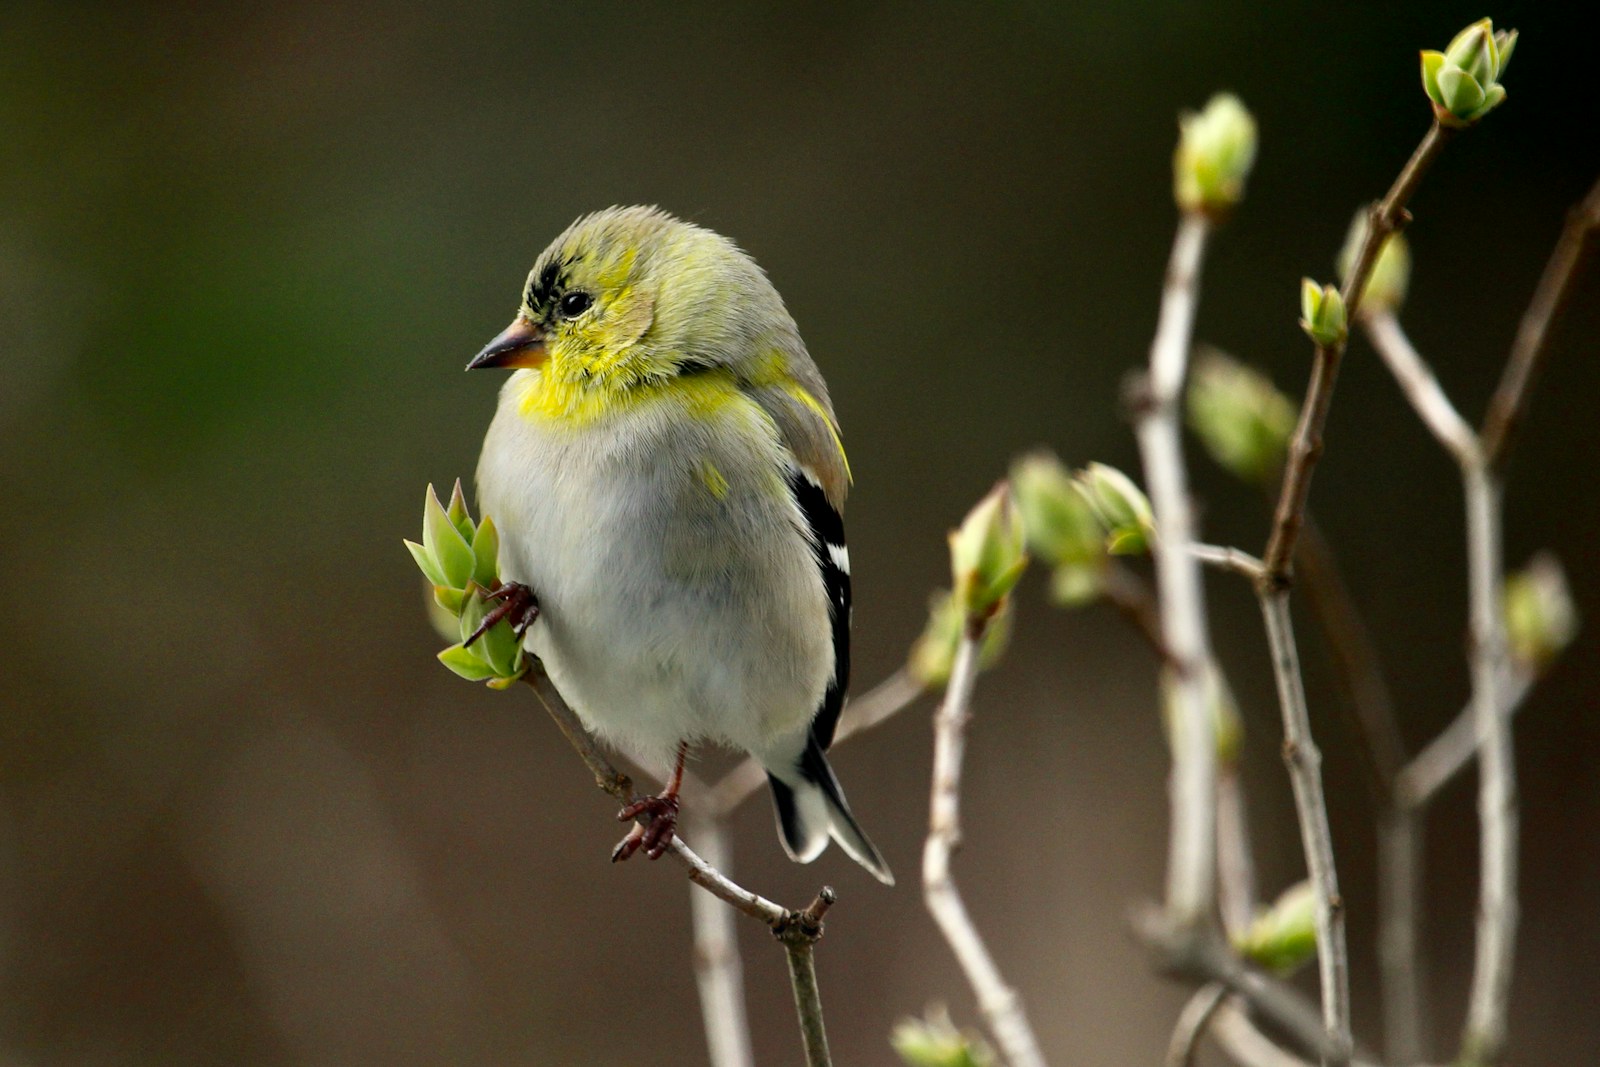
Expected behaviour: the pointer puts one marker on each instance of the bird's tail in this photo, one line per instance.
(811, 808)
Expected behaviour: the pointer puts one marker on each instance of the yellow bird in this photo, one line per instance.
(667, 477)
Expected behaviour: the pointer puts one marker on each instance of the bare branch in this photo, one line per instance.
(1198, 953)
(1387, 217)
(1483, 1040)
(1192, 1022)
(1527, 351)
(1191, 857)
(1449, 753)
(797, 930)
(1305, 776)
(799, 933)
(1245, 1044)
(718, 968)
(999, 1003)
(1399, 955)
(1421, 387)
(1236, 874)
(1228, 559)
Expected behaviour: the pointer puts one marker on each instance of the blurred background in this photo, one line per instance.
(246, 250)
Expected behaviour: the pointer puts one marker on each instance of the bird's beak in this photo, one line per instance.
(519, 345)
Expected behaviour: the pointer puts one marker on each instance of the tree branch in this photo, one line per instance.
(1192, 1022)
(1191, 857)
(789, 926)
(718, 968)
(1388, 216)
(1449, 753)
(1305, 776)
(1527, 351)
(999, 1003)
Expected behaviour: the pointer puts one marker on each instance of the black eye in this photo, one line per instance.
(575, 303)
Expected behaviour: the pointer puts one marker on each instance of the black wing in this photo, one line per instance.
(833, 560)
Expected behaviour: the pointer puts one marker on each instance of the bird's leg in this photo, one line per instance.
(517, 603)
(656, 836)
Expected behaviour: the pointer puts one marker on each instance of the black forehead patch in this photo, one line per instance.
(543, 287)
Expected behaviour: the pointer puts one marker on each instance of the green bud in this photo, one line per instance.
(935, 1042)
(1216, 148)
(934, 653)
(1239, 416)
(1391, 273)
(465, 662)
(1322, 313)
(1072, 585)
(1463, 81)
(1285, 935)
(460, 517)
(1541, 619)
(449, 599)
(988, 553)
(1058, 522)
(451, 553)
(486, 554)
(498, 647)
(424, 559)
(1121, 507)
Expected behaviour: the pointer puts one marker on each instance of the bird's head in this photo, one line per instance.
(628, 296)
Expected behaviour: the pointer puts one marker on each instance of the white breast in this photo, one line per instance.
(670, 611)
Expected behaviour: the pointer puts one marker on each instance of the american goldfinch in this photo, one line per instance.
(667, 477)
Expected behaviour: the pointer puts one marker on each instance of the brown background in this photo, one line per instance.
(245, 818)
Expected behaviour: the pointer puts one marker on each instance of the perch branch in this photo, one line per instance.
(1191, 857)
(1001, 1006)
(790, 926)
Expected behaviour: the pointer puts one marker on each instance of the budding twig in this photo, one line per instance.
(1191, 857)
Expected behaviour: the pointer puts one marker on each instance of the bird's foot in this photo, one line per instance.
(517, 603)
(655, 837)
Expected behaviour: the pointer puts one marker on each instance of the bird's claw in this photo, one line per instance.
(654, 837)
(517, 603)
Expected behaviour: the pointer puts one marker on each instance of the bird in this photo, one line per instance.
(667, 475)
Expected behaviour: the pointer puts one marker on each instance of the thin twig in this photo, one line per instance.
(1357, 668)
(1198, 953)
(1133, 598)
(718, 968)
(882, 702)
(1246, 1045)
(799, 934)
(1305, 776)
(1386, 217)
(1191, 857)
(1527, 351)
(1228, 559)
(1449, 753)
(1236, 872)
(1399, 951)
(1001, 1006)
(1483, 1040)
(1192, 1022)
(1422, 388)
(791, 927)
